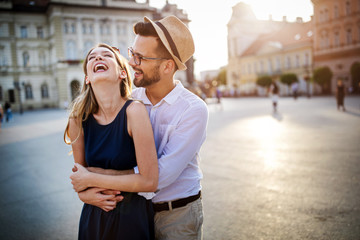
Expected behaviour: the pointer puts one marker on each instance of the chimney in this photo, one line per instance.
(299, 20)
(284, 19)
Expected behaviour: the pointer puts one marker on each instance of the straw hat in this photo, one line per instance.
(176, 37)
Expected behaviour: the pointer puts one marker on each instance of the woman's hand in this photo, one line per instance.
(80, 178)
(102, 198)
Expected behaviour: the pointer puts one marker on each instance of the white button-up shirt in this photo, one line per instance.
(179, 123)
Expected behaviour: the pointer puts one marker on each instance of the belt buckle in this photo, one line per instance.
(170, 206)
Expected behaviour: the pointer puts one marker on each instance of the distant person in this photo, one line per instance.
(218, 95)
(340, 95)
(8, 111)
(1, 114)
(274, 92)
(108, 130)
(295, 89)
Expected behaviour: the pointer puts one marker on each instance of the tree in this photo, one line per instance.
(355, 76)
(221, 78)
(323, 76)
(264, 81)
(288, 79)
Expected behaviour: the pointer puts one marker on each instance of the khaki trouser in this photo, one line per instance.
(180, 223)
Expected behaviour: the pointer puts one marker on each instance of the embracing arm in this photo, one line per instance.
(139, 127)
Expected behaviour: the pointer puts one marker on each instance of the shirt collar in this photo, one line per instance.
(170, 98)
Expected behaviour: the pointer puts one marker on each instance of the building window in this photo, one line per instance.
(288, 62)
(336, 39)
(70, 50)
(28, 91)
(26, 59)
(326, 15)
(348, 36)
(255, 67)
(270, 69)
(1, 94)
(3, 61)
(40, 32)
(91, 29)
(336, 12)
(297, 61)
(321, 16)
(42, 59)
(348, 8)
(66, 28)
(306, 60)
(87, 47)
(23, 32)
(73, 28)
(44, 91)
(278, 64)
(84, 28)
(262, 67)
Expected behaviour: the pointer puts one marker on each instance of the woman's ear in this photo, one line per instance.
(123, 74)
(87, 81)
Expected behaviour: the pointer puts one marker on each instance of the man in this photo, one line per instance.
(179, 119)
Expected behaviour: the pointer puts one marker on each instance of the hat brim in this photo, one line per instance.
(161, 35)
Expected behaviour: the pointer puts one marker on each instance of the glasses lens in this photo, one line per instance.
(137, 59)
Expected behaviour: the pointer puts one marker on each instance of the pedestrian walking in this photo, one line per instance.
(295, 89)
(8, 111)
(109, 130)
(274, 92)
(340, 95)
(179, 120)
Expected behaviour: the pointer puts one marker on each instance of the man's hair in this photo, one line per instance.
(146, 29)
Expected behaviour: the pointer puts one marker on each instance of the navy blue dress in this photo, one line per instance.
(110, 147)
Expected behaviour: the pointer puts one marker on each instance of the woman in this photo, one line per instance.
(108, 130)
(340, 95)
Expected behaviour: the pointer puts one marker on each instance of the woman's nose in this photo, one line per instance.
(98, 57)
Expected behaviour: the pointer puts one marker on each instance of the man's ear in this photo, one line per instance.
(169, 66)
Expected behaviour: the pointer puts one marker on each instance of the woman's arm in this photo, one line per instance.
(139, 127)
(102, 198)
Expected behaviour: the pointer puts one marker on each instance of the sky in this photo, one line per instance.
(210, 17)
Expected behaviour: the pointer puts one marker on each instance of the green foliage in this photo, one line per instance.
(288, 78)
(264, 81)
(323, 76)
(221, 78)
(355, 76)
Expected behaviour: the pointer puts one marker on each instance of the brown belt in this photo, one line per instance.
(158, 207)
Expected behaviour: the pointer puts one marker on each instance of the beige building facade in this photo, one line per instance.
(337, 37)
(43, 43)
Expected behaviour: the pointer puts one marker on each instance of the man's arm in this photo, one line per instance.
(183, 144)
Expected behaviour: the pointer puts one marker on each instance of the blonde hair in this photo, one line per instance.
(85, 104)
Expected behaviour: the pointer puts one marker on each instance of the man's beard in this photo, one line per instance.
(147, 79)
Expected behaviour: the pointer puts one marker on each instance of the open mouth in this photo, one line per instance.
(100, 67)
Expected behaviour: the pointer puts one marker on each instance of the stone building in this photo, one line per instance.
(337, 38)
(43, 43)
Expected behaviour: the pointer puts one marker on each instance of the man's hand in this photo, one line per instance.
(79, 178)
(102, 198)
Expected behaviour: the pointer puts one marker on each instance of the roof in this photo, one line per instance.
(290, 34)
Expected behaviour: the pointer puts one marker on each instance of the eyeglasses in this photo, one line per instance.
(138, 58)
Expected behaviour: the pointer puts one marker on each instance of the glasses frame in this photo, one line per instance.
(138, 58)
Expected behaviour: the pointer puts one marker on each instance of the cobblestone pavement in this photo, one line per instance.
(290, 175)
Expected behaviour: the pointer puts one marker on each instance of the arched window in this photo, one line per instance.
(28, 91)
(75, 89)
(70, 50)
(44, 91)
(26, 58)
